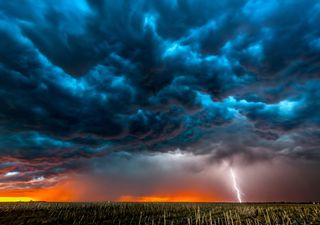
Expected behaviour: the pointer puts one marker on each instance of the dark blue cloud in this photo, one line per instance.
(82, 79)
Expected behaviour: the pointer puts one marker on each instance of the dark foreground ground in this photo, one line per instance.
(157, 213)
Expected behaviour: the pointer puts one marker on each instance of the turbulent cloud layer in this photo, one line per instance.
(231, 81)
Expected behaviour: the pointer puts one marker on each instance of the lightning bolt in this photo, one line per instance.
(235, 185)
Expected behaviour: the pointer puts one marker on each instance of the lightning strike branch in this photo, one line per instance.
(235, 185)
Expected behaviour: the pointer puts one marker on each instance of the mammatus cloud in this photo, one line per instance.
(234, 81)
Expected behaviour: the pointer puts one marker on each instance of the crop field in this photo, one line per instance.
(34, 213)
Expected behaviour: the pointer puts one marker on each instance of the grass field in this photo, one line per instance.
(157, 213)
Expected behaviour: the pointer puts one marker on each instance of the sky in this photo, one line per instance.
(157, 100)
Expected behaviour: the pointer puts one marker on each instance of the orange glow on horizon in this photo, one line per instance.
(184, 197)
(63, 192)
(73, 191)
(16, 199)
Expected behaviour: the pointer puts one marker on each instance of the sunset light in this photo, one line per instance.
(169, 198)
(16, 199)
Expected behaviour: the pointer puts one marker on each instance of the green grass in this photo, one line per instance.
(158, 213)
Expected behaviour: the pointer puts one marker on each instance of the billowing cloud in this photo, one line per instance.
(234, 81)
